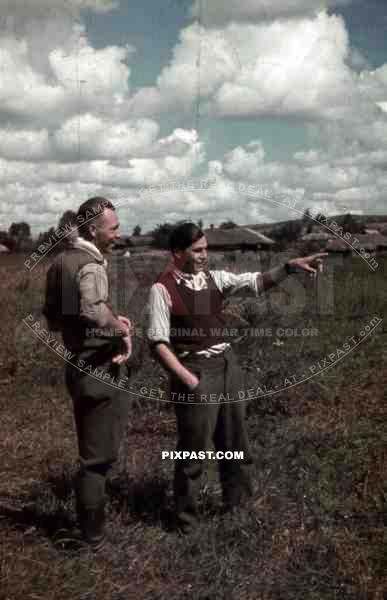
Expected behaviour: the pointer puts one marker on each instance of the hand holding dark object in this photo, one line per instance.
(311, 264)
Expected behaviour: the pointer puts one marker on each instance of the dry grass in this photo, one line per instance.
(317, 527)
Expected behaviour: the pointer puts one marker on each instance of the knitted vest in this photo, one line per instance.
(62, 305)
(195, 315)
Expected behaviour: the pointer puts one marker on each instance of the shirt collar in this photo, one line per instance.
(194, 281)
(91, 248)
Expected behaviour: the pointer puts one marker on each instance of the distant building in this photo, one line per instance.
(133, 244)
(142, 240)
(236, 239)
(370, 231)
(317, 236)
(370, 243)
(376, 226)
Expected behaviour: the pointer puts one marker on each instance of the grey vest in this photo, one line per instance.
(62, 305)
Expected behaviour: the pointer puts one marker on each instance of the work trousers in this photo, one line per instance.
(101, 414)
(211, 413)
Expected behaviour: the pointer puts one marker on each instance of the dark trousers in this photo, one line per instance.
(101, 413)
(211, 413)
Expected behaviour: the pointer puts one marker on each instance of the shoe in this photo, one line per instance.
(187, 522)
(92, 525)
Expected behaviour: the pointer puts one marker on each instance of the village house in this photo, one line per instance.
(236, 240)
(370, 243)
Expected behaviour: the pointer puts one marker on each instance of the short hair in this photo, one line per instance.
(68, 218)
(183, 235)
(90, 210)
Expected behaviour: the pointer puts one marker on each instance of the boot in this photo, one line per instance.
(92, 524)
(237, 490)
(187, 522)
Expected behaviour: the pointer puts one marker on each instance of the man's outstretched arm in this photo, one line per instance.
(309, 264)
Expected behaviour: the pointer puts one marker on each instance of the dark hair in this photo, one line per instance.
(184, 235)
(90, 210)
(68, 218)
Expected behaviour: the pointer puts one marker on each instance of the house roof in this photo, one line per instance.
(369, 242)
(236, 236)
(357, 241)
(141, 240)
(379, 226)
(316, 235)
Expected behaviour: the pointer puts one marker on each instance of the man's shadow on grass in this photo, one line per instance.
(49, 507)
(145, 500)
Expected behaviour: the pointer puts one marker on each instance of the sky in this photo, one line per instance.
(140, 102)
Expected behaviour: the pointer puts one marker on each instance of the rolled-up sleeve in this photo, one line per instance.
(159, 320)
(231, 283)
(94, 294)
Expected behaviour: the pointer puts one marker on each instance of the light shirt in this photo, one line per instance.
(160, 303)
(93, 285)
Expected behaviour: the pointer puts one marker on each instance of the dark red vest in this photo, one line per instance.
(196, 322)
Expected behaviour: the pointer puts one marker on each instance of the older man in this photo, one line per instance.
(77, 305)
(185, 331)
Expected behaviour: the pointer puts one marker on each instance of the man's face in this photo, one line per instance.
(194, 258)
(106, 230)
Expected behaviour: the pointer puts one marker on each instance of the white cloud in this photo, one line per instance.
(373, 85)
(102, 71)
(50, 187)
(218, 12)
(251, 69)
(308, 157)
(357, 61)
(44, 9)
(92, 137)
(44, 83)
(30, 145)
(71, 128)
(24, 91)
(316, 179)
(244, 162)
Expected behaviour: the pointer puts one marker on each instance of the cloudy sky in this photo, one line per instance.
(107, 97)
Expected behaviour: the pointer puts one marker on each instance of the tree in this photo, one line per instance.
(321, 217)
(228, 225)
(21, 234)
(20, 230)
(351, 225)
(69, 217)
(161, 235)
(6, 240)
(200, 223)
(288, 232)
(308, 220)
(137, 230)
(69, 224)
(47, 237)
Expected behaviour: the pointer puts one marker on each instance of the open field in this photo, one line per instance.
(317, 527)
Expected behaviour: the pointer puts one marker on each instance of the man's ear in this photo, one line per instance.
(93, 230)
(181, 257)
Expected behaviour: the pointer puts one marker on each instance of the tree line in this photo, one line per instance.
(18, 237)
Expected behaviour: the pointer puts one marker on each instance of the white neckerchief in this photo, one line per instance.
(193, 281)
(91, 248)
